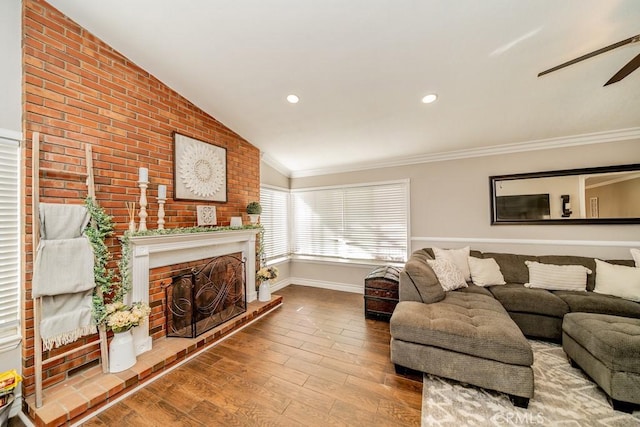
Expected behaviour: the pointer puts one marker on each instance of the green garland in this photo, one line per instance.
(100, 227)
(188, 230)
(125, 259)
(124, 266)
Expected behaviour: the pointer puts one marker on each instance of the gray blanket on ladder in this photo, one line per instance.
(63, 275)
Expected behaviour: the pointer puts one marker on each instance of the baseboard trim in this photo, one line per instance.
(324, 284)
(596, 243)
(279, 285)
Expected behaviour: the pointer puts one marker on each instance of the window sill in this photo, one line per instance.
(344, 261)
(279, 260)
(10, 343)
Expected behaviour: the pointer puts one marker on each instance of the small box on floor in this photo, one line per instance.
(381, 292)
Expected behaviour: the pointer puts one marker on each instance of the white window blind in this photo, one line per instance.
(275, 220)
(364, 222)
(9, 237)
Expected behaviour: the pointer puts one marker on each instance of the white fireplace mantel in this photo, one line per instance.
(149, 252)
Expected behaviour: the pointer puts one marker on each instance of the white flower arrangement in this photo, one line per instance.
(267, 273)
(121, 317)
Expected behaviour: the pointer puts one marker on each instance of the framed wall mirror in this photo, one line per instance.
(601, 195)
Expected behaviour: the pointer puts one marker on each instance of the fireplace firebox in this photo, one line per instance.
(202, 299)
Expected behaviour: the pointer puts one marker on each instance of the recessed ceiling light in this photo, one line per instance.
(428, 99)
(293, 99)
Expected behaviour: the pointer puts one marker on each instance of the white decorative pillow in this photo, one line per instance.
(485, 272)
(448, 274)
(617, 280)
(635, 253)
(557, 277)
(459, 258)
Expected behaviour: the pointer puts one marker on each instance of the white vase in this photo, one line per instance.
(122, 354)
(264, 291)
(254, 218)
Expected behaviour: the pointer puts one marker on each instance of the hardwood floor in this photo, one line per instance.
(314, 361)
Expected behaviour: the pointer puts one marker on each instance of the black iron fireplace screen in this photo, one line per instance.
(201, 300)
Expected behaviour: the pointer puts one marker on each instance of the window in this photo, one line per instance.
(363, 222)
(275, 219)
(9, 237)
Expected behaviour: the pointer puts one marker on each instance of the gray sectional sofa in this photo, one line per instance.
(477, 334)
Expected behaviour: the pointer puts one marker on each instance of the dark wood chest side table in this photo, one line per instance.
(381, 292)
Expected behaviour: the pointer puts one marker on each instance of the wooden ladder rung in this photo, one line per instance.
(66, 353)
(63, 172)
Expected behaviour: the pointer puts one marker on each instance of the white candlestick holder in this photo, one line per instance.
(143, 205)
(161, 213)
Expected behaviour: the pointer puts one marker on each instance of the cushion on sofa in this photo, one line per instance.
(449, 275)
(512, 266)
(590, 302)
(517, 298)
(572, 260)
(423, 279)
(472, 252)
(635, 253)
(466, 323)
(618, 280)
(485, 272)
(557, 277)
(458, 257)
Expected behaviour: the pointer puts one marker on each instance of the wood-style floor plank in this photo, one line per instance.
(315, 361)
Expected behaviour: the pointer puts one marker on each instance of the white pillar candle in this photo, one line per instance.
(162, 191)
(143, 175)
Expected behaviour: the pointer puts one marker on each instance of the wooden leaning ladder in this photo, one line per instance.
(39, 362)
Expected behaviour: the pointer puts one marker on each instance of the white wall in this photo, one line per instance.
(450, 206)
(10, 68)
(10, 121)
(270, 176)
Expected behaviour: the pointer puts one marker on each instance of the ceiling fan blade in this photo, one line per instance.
(633, 39)
(625, 71)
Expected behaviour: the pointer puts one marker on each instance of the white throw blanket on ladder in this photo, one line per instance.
(63, 275)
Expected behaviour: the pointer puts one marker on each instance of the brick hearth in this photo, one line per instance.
(88, 391)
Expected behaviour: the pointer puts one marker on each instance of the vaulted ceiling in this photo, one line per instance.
(361, 67)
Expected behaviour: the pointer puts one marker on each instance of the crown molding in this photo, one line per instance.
(517, 147)
(267, 159)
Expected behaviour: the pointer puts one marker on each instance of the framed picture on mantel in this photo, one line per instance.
(199, 170)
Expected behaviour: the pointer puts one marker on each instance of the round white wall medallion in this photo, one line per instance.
(201, 171)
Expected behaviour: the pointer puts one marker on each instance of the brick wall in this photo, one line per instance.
(77, 90)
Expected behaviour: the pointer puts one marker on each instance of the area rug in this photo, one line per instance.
(564, 396)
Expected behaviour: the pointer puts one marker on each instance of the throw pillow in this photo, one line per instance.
(485, 272)
(459, 258)
(449, 276)
(557, 277)
(635, 253)
(617, 280)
